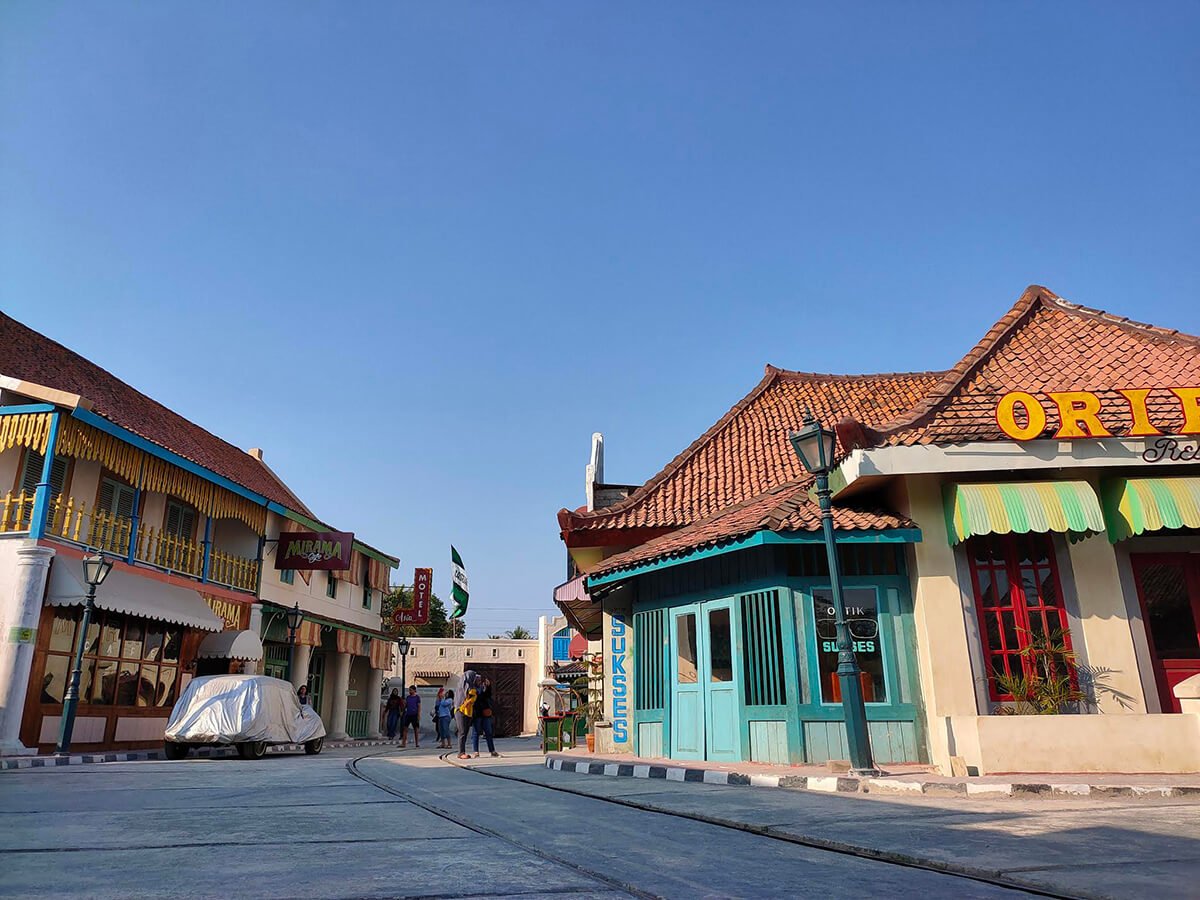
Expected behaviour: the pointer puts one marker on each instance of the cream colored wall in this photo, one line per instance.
(346, 607)
(232, 536)
(948, 683)
(1105, 619)
(454, 655)
(1125, 743)
(10, 468)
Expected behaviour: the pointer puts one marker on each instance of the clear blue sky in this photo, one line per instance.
(468, 235)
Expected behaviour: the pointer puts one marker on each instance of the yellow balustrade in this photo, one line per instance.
(16, 511)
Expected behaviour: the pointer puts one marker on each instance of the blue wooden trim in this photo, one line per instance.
(41, 495)
(27, 408)
(758, 539)
(98, 422)
(204, 569)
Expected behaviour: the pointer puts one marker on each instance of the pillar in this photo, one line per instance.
(20, 610)
(1107, 635)
(254, 626)
(943, 654)
(340, 683)
(374, 693)
(299, 673)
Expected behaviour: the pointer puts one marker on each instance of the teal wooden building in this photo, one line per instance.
(708, 589)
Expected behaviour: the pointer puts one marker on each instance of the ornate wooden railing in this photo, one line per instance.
(16, 512)
(102, 530)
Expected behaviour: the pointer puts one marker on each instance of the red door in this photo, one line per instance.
(1169, 590)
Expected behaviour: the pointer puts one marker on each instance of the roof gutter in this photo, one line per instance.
(761, 538)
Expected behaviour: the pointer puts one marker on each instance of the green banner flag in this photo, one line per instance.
(459, 592)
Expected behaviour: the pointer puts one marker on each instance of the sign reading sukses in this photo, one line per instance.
(1022, 416)
(325, 550)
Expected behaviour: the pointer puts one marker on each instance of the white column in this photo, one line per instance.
(374, 690)
(20, 610)
(300, 663)
(341, 684)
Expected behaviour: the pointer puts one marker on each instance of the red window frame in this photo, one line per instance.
(1006, 557)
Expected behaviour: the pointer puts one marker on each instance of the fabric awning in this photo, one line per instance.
(1021, 507)
(1136, 505)
(231, 645)
(582, 613)
(133, 595)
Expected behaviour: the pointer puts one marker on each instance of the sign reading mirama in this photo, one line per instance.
(325, 550)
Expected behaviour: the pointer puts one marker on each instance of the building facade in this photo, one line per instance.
(88, 463)
(512, 665)
(1019, 532)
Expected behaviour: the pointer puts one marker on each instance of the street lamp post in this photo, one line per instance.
(95, 569)
(815, 446)
(402, 644)
(295, 617)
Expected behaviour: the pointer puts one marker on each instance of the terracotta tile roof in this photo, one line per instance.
(746, 453)
(30, 356)
(787, 507)
(1044, 344)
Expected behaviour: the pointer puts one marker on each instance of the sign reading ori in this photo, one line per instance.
(326, 550)
(1022, 416)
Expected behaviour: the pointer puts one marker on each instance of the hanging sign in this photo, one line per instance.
(325, 550)
(422, 591)
(1022, 416)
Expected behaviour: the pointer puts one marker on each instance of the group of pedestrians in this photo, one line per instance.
(475, 711)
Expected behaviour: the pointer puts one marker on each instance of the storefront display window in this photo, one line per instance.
(127, 661)
(862, 620)
(1019, 599)
(685, 640)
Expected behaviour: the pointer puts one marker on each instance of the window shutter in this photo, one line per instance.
(173, 518)
(124, 501)
(107, 490)
(189, 524)
(31, 474)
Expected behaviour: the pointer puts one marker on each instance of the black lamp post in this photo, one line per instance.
(95, 569)
(403, 643)
(815, 445)
(295, 617)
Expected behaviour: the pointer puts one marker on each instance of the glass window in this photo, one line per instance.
(720, 653)
(685, 643)
(331, 586)
(147, 687)
(1016, 587)
(127, 682)
(366, 598)
(134, 640)
(62, 632)
(1169, 613)
(862, 621)
(171, 641)
(110, 638)
(104, 687)
(287, 576)
(54, 682)
(154, 639)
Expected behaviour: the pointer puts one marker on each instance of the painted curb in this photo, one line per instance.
(83, 759)
(841, 784)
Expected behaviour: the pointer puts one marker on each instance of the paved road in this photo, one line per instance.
(408, 824)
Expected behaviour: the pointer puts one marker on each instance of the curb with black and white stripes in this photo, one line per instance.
(81, 759)
(834, 784)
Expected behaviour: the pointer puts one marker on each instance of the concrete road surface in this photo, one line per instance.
(401, 824)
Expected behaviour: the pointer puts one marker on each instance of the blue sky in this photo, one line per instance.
(466, 236)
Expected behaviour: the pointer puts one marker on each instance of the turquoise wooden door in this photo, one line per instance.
(687, 691)
(717, 675)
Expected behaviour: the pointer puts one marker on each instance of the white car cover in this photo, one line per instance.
(229, 709)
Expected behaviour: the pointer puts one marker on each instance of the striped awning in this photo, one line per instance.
(1136, 505)
(1021, 507)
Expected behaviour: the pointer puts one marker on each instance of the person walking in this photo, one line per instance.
(485, 721)
(443, 711)
(412, 716)
(302, 695)
(464, 714)
(394, 703)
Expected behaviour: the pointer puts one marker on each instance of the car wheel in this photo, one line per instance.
(252, 749)
(313, 747)
(172, 750)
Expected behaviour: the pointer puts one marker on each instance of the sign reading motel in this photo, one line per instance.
(325, 550)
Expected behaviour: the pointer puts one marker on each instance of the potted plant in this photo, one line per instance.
(589, 692)
(1051, 680)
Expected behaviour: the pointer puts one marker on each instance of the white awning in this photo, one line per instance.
(231, 645)
(133, 595)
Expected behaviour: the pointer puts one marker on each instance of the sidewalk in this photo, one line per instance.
(79, 759)
(900, 779)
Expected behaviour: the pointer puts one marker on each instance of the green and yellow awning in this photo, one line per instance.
(1136, 505)
(1022, 507)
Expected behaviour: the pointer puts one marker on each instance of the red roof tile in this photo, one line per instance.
(747, 453)
(786, 507)
(1045, 344)
(30, 356)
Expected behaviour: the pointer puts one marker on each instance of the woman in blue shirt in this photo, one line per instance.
(444, 710)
